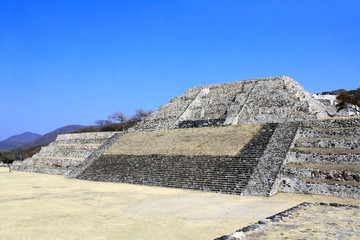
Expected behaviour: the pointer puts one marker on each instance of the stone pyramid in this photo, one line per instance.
(255, 101)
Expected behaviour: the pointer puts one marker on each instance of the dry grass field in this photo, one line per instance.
(227, 140)
(40, 206)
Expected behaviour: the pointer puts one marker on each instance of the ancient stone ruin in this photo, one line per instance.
(256, 137)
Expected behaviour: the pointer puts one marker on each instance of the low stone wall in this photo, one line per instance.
(294, 223)
(84, 136)
(41, 169)
(299, 156)
(202, 123)
(333, 123)
(307, 132)
(293, 184)
(281, 216)
(328, 143)
(333, 175)
(3, 164)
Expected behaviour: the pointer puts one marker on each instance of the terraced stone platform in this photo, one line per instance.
(199, 170)
(325, 159)
(65, 154)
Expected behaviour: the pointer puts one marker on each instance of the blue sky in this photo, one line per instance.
(75, 62)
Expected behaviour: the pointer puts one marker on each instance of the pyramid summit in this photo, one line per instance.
(254, 101)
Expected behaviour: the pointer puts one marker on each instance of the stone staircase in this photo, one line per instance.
(65, 154)
(225, 174)
(325, 159)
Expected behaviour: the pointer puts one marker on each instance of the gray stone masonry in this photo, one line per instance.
(264, 181)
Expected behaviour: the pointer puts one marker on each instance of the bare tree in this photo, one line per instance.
(102, 123)
(6, 160)
(118, 117)
(140, 114)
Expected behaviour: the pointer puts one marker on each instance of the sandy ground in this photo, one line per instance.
(227, 140)
(40, 206)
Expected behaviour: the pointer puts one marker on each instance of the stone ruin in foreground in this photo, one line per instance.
(255, 137)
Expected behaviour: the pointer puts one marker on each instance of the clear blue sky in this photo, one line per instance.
(74, 62)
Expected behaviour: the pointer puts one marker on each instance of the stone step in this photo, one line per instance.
(53, 162)
(91, 135)
(349, 143)
(306, 132)
(79, 141)
(346, 122)
(302, 156)
(39, 169)
(82, 154)
(70, 148)
(347, 173)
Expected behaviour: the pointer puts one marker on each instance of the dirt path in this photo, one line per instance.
(40, 206)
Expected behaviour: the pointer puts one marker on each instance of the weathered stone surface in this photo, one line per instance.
(263, 100)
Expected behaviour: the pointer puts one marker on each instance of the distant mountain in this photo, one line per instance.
(24, 137)
(51, 136)
(19, 140)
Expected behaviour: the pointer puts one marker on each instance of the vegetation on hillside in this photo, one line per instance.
(18, 154)
(350, 100)
(118, 121)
